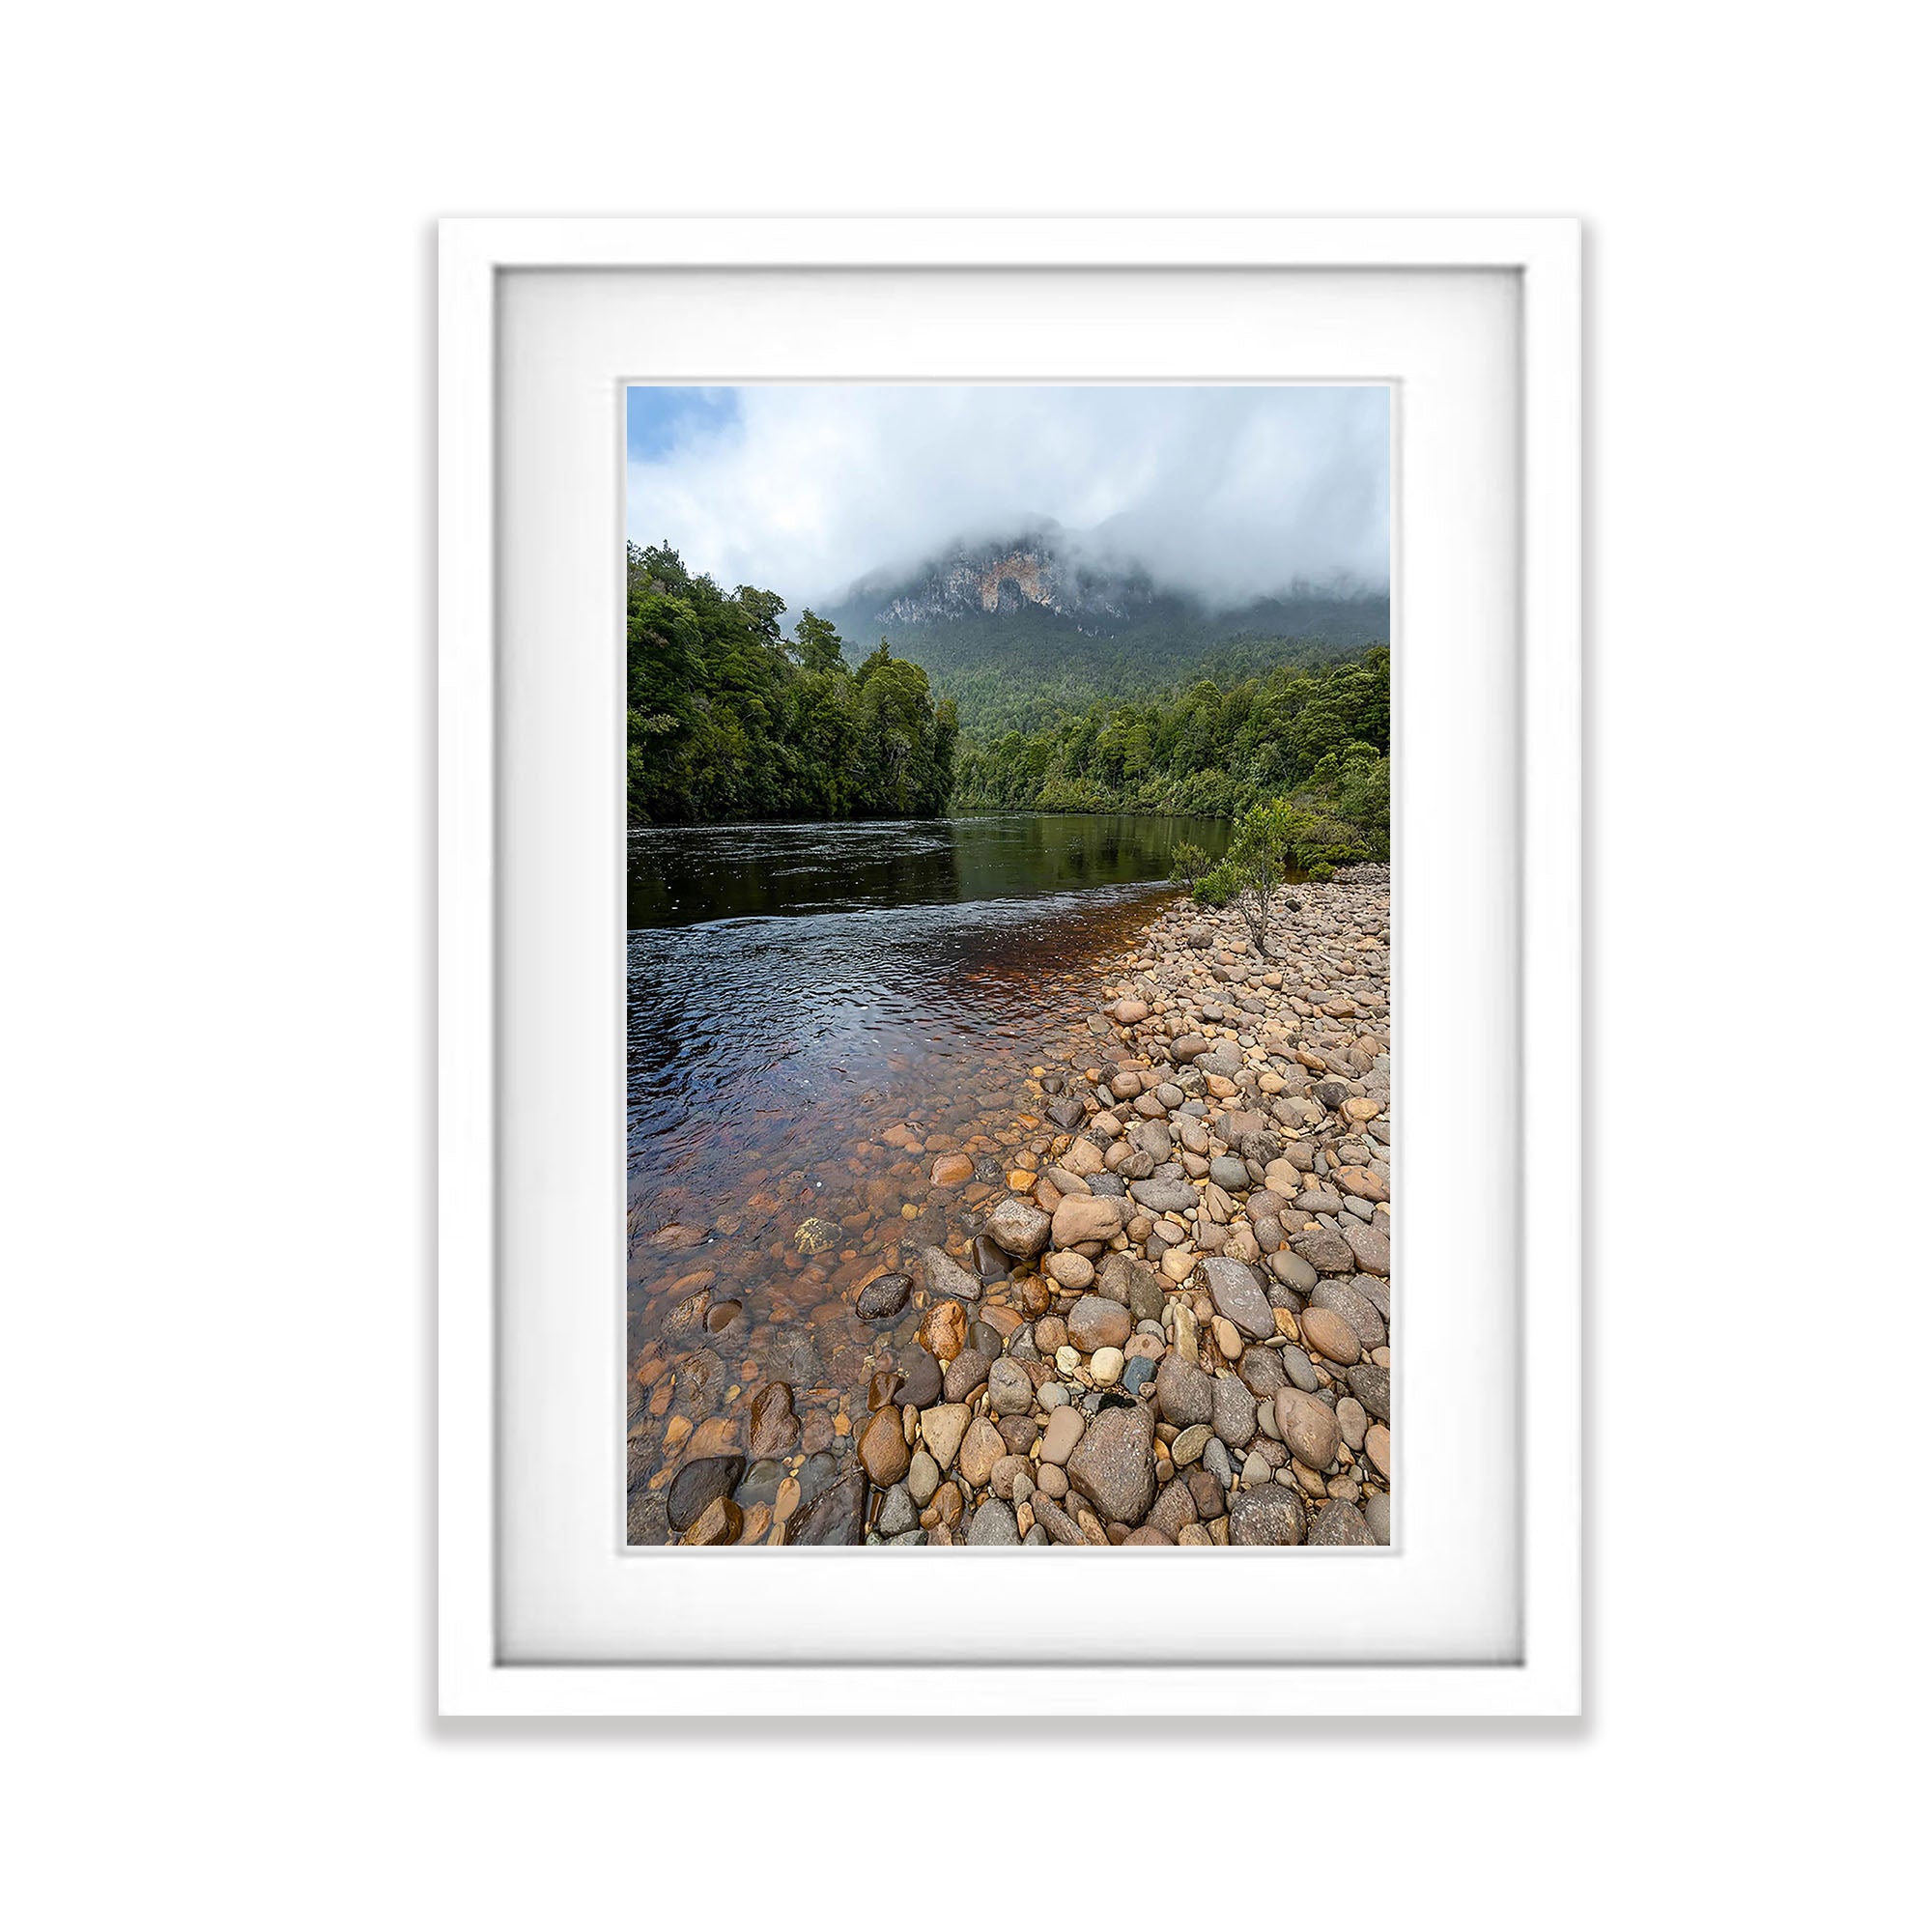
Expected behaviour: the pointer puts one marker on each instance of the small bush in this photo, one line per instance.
(1216, 887)
(1189, 863)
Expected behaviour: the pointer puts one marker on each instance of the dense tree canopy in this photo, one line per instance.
(731, 719)
(728, 719)
(1314, 740)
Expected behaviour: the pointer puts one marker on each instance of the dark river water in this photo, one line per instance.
(772, 967)
(815, 1013)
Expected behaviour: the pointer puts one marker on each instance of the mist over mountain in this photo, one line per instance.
(1020, 626)
(1222, 494)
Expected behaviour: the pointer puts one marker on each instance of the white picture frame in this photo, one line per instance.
(1543, 1670)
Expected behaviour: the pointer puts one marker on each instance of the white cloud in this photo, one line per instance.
(1233, 492)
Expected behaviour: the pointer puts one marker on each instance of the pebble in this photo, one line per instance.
(1019, 1228)
(1113, 1463)
(1329, 1335)
(980, 1449)
(1370, 1387)
(1009, 1388)
(946, 1279)
(698, 1484)
(837, 1517)
(1183, 1391)
(1097, 1323)
(1375, 1513)
(993, 1523)
(1267, 1514)
(924, 1377)
(1065, 1428)
(1354, 1308)
(1194, 1236)
(1339, 1523)
(1352, 1419)
(883, 1452)
(966, 1374)
(1068, 1268)
(1308, 1427)
(897, 1511)
(922, 1479)
(1233, 1412)
(941, 1430)
(1237, 1295)
(719, 1523)
(883, 1296)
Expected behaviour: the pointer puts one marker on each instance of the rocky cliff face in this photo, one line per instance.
(1003, 577)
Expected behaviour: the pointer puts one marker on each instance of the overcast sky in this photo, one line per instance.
(803, 488)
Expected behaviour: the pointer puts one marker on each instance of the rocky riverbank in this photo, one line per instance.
(1152, 1309)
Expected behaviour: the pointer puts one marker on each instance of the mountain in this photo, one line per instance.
(1024, 627)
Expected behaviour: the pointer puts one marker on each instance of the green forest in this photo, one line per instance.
(1022, 668)
(1317, 738)
(730, 720)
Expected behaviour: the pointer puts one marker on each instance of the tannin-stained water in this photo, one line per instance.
(817, 1012)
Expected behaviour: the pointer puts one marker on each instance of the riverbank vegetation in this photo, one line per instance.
(730, 719)
(1311, 744)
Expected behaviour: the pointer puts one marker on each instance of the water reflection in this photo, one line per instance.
(685, 876)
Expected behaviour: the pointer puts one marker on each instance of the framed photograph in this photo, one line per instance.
(1010, 967)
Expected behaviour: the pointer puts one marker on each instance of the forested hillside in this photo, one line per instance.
(727, 719)
(1319, 737)
(1015, 635)
(731, 719)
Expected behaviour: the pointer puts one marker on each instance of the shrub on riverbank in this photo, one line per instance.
(1302, 831)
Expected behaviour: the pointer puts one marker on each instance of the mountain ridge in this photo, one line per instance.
(1021, 624)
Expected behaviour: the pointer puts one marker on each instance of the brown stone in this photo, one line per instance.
(1064, 1427)
(1086, 1217)
(1328, 1334)
(719, 1523)
(715, 1435)
(883, 1450)
(1362, 1181)
(1308, 1427)
(1112, 1465)
(774, 1426)
(1096, 1322)
(981, 1448)
(944, 1329)
(1070, 1268)
(941, 1427)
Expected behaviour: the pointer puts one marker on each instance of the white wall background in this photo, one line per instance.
(212, 749)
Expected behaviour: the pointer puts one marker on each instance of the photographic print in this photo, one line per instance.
(1009, 966)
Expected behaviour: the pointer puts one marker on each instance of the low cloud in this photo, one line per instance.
(1231, 494)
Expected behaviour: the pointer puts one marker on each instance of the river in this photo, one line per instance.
(796, 994)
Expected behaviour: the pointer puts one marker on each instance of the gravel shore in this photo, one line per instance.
(1153, 1310)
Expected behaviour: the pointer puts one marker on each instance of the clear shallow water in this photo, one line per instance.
(815, 1012)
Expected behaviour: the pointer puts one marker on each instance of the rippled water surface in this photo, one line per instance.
(815, 1013)
(776, 970)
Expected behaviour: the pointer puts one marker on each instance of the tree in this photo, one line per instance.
(820, 646)
(727, 720)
